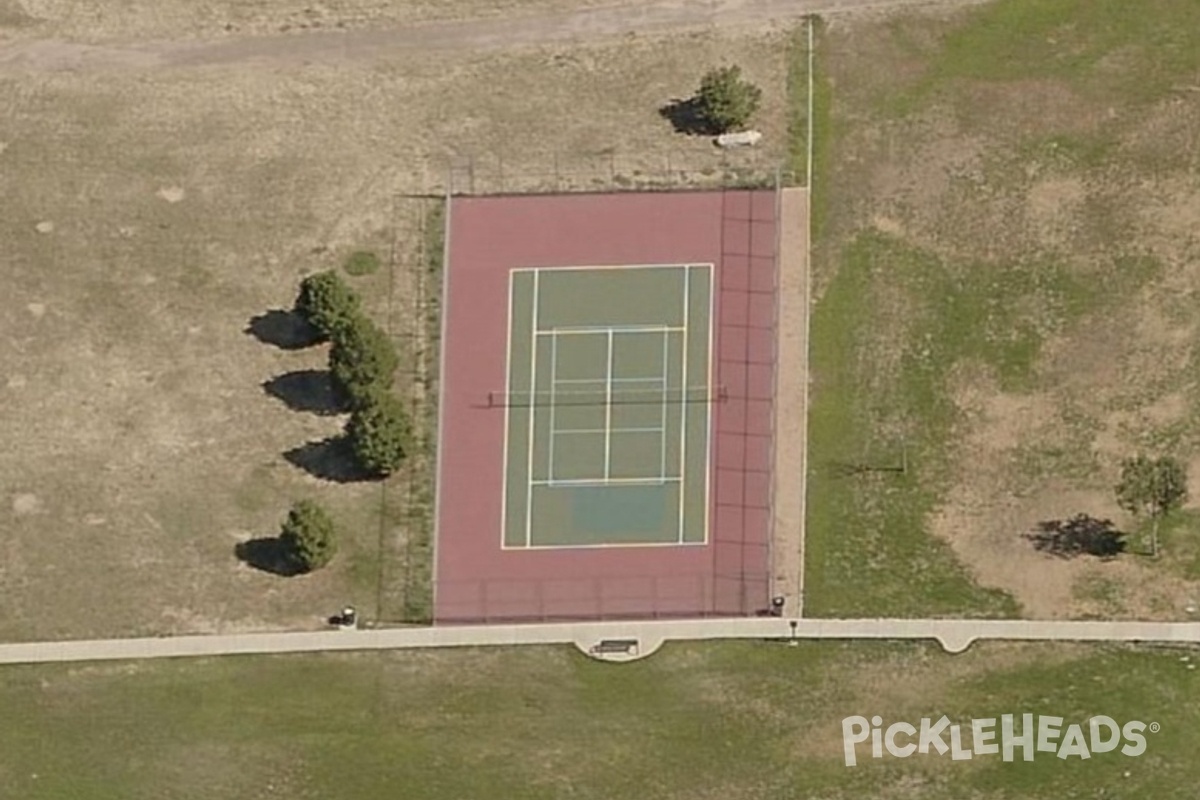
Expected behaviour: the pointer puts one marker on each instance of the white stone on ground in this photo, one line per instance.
(25, 504)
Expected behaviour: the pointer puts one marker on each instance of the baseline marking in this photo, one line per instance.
(569, 330)
(614, 380)
(567, 431)
(609, 481)
(575, 267)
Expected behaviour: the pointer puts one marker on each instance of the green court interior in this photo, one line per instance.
(608, 406)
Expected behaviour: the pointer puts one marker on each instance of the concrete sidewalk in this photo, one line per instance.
(954, 635)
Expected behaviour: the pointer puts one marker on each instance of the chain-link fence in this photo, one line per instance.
(599, 598)
(492, 174)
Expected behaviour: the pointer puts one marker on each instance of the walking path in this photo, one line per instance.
(791, 411)
(664, 16)
(954, 635)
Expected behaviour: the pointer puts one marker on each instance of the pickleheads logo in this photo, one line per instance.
(1029, 733)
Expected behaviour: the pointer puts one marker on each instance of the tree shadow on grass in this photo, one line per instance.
(285, 329)
(311, 390)
(329, 459)
(687, 116)
(1079, 535)
(268, 554)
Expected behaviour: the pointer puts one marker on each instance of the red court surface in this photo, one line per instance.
(474, 578)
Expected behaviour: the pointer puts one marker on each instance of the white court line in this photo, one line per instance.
(575, 267)
(609, 381)
(584, 330)
(553, 386)
(507, 412)
(614, 380)
(533, 341)
(567, 431)
(683, 414)
(709, 453)
(608, 409)
(609, 481)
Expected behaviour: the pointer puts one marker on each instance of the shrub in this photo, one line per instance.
(380, 433)
(362, 361)
(327, 303)
(309, 536)
(361, 263)
(726, 100)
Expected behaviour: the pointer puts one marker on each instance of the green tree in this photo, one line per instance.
(726, 100)
(1153, 488)
(380, 433)
(362, 361)
(327, 302)
(309, 536)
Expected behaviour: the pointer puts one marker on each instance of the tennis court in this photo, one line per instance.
(608, 402)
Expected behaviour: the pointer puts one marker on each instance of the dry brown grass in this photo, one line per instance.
(139, 19)
(140, 446)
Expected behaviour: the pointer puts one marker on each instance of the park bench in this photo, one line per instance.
(615, 647)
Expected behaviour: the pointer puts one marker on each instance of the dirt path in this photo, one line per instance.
(474, 35)
(791, 411)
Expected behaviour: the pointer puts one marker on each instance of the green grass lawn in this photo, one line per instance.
(734, 721)
(1077, 40)
(956, 277)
